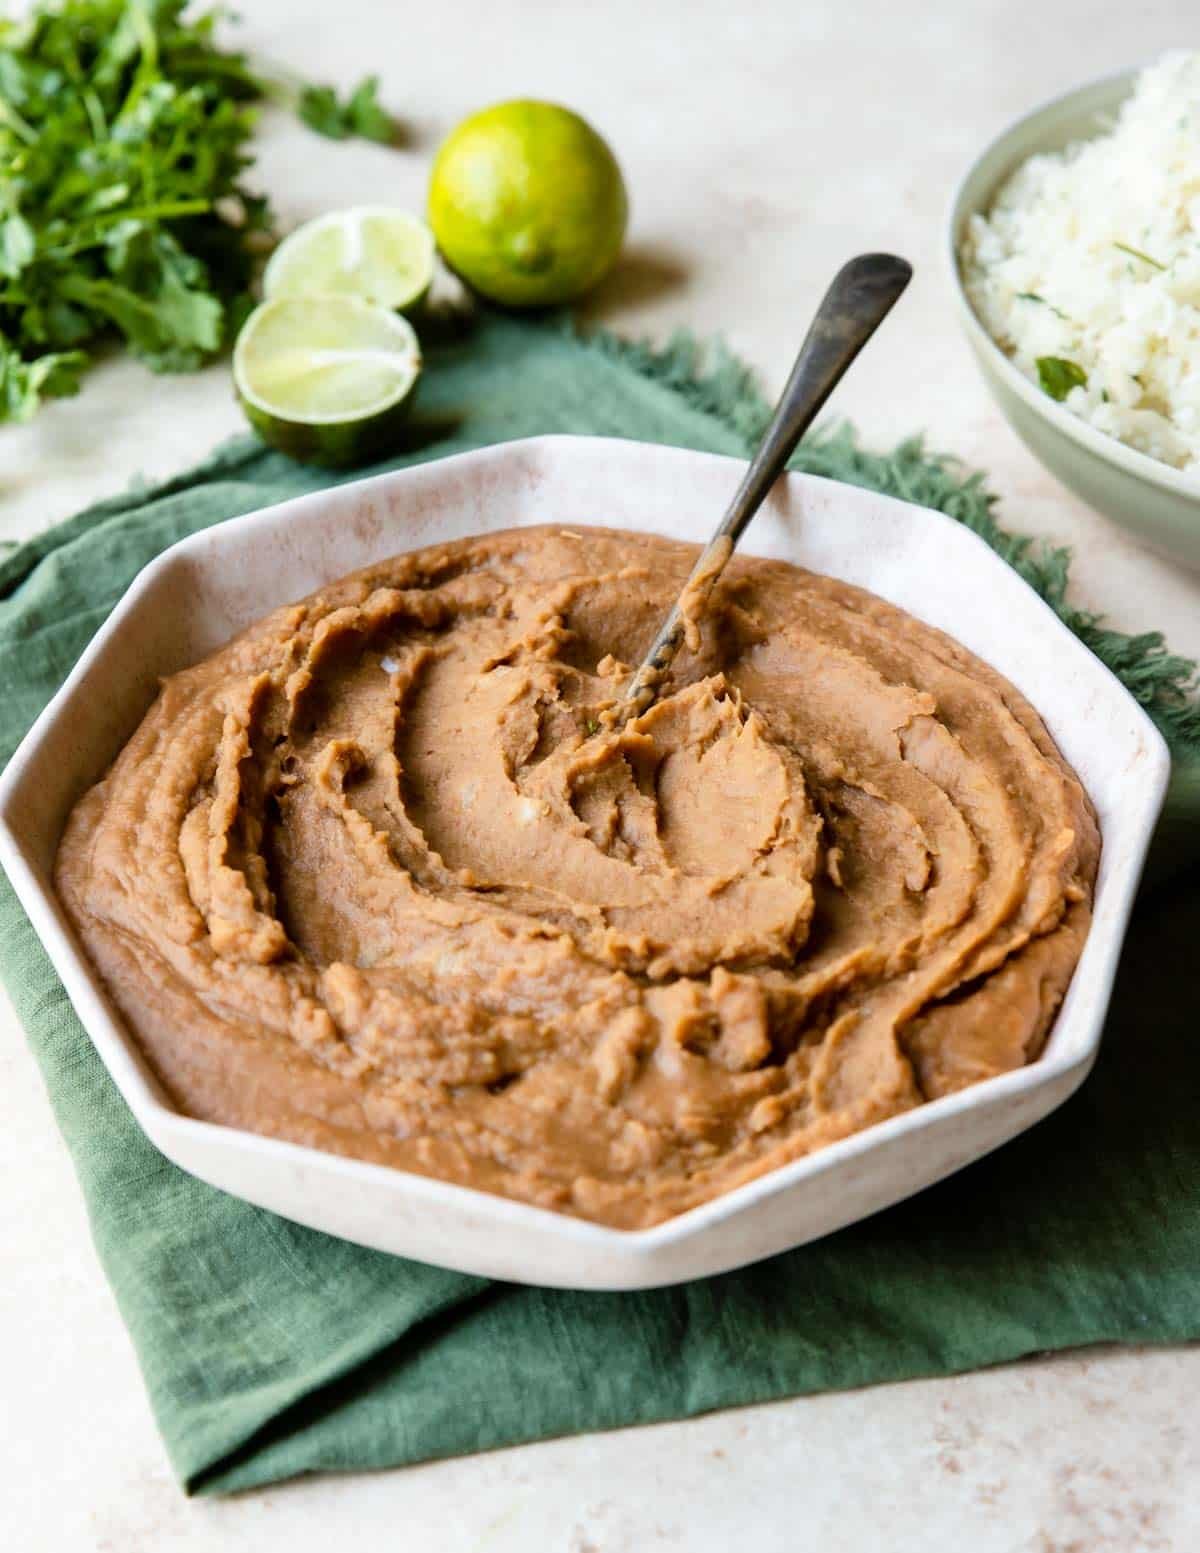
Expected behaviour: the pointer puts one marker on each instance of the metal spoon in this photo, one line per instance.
(863, 292)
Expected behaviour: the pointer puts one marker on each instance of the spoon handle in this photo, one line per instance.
(863, 292)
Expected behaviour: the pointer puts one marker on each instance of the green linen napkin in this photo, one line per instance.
(270, 1350)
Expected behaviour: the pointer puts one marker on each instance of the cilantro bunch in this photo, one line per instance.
(124, 134)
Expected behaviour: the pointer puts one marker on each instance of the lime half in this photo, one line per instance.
(326, 379)
(370, 251)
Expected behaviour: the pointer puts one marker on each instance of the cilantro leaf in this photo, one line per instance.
(318, 107)
(17, 244)
(361, 114)
(24, 384)
(370, 118)
(1058, 376)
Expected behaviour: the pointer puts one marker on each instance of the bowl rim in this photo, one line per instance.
(159, 1120)
(1130, 461)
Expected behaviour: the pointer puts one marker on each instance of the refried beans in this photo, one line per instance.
(380, 877)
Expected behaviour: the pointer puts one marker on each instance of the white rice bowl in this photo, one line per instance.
(1089, 262)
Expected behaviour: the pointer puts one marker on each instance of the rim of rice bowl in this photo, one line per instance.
(1074, 426)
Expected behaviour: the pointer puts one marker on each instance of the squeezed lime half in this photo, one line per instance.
(326, 378)
(375, 252)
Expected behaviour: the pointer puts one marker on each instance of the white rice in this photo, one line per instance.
(1050, 274)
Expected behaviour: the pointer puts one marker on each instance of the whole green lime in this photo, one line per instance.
(527, 203)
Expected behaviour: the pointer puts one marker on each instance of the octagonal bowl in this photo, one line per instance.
(204, 589)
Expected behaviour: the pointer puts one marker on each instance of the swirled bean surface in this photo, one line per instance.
(382, 877)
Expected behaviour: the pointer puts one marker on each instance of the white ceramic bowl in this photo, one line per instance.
(201, 591)
(1158, 504)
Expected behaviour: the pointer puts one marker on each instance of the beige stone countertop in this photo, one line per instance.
(763, 143)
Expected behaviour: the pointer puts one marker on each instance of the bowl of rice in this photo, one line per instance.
(1074, 244)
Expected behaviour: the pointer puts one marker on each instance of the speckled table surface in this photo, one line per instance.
(763, 143)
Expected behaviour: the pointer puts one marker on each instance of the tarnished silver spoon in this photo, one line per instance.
(863, 292)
